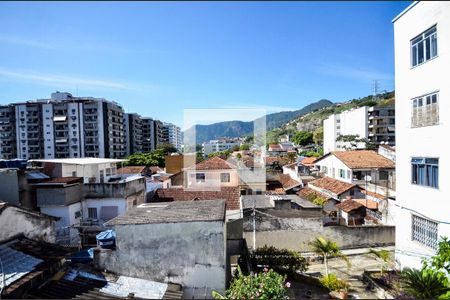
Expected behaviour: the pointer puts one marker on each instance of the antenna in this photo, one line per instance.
(376, 87)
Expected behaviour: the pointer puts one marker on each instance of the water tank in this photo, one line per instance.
(106, 239)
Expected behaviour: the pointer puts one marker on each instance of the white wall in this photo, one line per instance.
(329, 134)
(98, 203)
(48, 132)
(331, 162)
(425, 141)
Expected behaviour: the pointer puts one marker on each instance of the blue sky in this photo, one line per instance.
(159, 58)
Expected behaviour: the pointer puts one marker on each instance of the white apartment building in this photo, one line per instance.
(422, 61)
(218, 146)
(172, 135)
(375, 124)
(133, 133)
(350, 122)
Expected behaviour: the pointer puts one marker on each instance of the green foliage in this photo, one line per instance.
(332, 283)
(303, 138)
(244, 147)
(222, 154)
(317, 200)
(318, 136)
(311, 154)
(327, 248)
(283, 261)
(235, 148)
(442, 258)
(425, 283)
(238, 156)
(154, 158)
(264, 285)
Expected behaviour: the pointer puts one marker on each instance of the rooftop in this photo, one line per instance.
(61, 180)
(333, 185)
(80, 161)
(131, 170)
(173, 212)
(306, 192)
(287, 182)
(229, 194)
(309, 161)
(213, 163)
(362, 159)
(349, 205)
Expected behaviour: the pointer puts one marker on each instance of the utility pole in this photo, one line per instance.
(254, 224)
(376, 87)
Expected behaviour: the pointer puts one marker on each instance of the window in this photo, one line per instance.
(258, 192)
(425, 171)
(424, 231)
(425, 110)
(224, 177)
(324, 169)
(77, 214)
(348, 174)
(200, 177)
(108, 171)
(74, 174)
(341, 173)
(383, 175)
(92, 212)
(424, 47)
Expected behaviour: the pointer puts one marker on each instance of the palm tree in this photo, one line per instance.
(425, 283)
(327, 248)
(383, 255)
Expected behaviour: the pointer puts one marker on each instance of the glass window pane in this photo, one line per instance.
(420, 56)
(427, 48)
(420, 102)
(434, 98)
(414, 55)
(428, 100)
(433, 45)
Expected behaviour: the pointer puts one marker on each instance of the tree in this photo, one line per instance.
(302, 138)
(383, 255)
(244, 147)
(264, 285)
(235, 148)
(425, 283)
(327, 249)
(318, 136)
(291, 157)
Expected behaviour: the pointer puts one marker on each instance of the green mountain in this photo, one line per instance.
(240, 128)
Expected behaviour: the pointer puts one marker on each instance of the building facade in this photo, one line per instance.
(422, 57)
(375, 124)
(172, 135)
(133, 129)
(8, 143)
(219, 145)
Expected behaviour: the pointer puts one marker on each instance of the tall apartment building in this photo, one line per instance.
(133, 128)
(62, 127)
(375, 124)
(172, 135)
(148, 135)
(422, 60)
(8, 145)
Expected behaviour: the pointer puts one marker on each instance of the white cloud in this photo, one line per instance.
(59, 80)
(25, 42)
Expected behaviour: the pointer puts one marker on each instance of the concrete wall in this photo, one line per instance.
(15, 221)
(212, 178)
(296, 233)
(192, 254)
(114, 190)
(9, 186)
(428, 141)
(59, 196)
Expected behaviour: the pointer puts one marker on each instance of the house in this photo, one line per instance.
(212, 173)
(181, 242)
(335, 189)
(231, 196)
(281, 184)
(34, 225)
(351, 212)
(422, 32)
(276, 150)
(365, 167)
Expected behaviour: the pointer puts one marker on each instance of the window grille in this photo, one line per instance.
(424, 231)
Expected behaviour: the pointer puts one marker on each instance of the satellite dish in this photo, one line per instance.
(367, 178)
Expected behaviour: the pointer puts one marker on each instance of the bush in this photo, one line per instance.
(281, 260)
(332, 283)
(264, 285)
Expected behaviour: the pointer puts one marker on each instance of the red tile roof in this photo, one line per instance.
(372, 194)
(363, 159)
(287, 182)
(349, 205)
(333, 185)
(270, 160)
(291, 166)
(131, 170)
(308, 161)
(367, 203)
(213, 163)
(230, 194)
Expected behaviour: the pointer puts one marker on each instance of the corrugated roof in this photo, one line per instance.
(80, 161)
(173, 212)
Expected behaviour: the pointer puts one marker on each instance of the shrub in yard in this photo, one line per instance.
(425, 283)
(265, 285)
(332, 283)
(281, 260)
